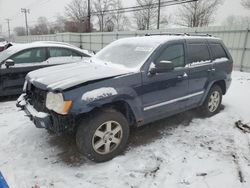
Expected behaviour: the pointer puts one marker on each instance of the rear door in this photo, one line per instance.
(12, 78)
(200, 69)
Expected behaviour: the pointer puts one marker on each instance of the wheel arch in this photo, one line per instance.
(222, 84)
(120, 106)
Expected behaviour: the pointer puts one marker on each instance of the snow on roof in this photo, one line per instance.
(160, 39)
(18, 47)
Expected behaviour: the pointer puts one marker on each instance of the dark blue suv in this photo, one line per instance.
(131, 82)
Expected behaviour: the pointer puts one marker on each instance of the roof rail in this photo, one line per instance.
(181, 34)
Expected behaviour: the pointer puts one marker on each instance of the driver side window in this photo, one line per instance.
(174, 53)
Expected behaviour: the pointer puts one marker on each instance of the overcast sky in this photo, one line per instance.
(50, 8)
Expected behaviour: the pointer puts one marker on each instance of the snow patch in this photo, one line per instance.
(200, 62)
(219, 60)
(175, 152)
(99, 93)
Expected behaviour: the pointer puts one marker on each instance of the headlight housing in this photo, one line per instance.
(55, 102)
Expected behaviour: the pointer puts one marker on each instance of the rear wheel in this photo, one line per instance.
(212, 103)
(103, 136)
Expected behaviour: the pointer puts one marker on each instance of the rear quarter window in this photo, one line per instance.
(218, 51)
(198, 52)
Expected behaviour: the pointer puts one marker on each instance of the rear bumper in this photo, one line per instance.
(40, 119)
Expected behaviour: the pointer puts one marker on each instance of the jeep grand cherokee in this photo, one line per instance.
(131, 82)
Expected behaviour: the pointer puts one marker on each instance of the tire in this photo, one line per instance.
(103, 136)
(212, 104)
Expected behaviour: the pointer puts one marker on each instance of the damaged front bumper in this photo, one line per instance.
(40, 119)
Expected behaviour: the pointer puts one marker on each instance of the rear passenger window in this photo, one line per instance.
(218, 51)
(198, 53)
(174, 53)
(59, 52)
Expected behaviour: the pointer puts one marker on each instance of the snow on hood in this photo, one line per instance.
(65, 76)
(99, 93)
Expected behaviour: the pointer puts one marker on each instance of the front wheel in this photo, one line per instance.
(212, 103)
(103, 136)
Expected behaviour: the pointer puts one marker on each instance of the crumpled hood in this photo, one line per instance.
(65, 76)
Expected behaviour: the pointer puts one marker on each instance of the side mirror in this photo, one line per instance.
(161, 67)
(9, 63)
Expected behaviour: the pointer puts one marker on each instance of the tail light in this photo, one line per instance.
(231, 67)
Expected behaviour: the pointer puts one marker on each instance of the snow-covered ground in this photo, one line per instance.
(181, 151)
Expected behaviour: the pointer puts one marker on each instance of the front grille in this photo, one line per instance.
(37, 98)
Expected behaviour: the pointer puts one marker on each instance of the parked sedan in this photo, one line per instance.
(18, 60)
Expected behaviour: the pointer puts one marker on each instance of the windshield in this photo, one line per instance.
(4, 55)
(9, 52)
(130, 53)
(2, 40)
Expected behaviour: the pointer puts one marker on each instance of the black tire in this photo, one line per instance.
(86, 135)
(206, 108)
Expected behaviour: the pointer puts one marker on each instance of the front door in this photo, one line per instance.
(165, 93)
(12, 78)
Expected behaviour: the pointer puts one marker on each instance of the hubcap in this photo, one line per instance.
(107, 137)
(214, 101)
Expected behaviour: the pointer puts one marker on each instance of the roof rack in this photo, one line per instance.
(181, 34)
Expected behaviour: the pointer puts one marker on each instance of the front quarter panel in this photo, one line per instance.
(126, 88)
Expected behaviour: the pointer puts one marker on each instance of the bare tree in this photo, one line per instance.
(236, 20)
(147, 16)
(41, 28)
(246, 3)
(76, 11)
(59, 25)
(197, 14)
(165, 20)
(120, 20)
(20, 31)
(104, 17)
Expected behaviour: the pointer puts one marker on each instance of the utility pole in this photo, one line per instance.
(26, 11)
(159, 13)
(89, 15)
(8, 22)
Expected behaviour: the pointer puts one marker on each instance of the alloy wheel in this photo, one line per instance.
(107, 137)
(214, 101)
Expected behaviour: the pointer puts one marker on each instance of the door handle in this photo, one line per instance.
(211, 70)
(182, 76)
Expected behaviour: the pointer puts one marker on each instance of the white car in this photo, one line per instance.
(19, 59)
